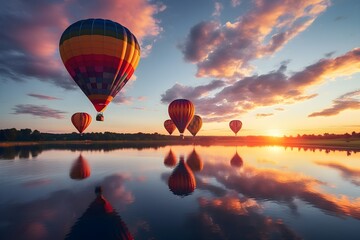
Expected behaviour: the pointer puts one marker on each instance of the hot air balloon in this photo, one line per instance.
(194, 161)
(80, 169)
(236, 161)
(182, 181)
(195, 125)
(169, 126)
(81, 121)
(101, 56)
(235, 126)
(100, 221)
(181, 111)
(170, 159)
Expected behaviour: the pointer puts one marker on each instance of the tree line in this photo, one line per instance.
(23, 135)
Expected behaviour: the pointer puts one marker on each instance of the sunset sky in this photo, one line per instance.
(282, 67)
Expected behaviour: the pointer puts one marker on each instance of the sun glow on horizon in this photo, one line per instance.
(274, 133)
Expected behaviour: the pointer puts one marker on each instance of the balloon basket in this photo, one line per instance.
(100, 117)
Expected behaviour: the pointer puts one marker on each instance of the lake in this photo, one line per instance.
(181, 192)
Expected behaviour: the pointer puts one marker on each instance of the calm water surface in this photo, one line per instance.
(184, 192)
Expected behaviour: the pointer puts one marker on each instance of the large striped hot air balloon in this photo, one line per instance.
(235, 126)
(80, 169)
(169, 126)
(81, 121)
(195, 125)
(101, 56)
(181, 111)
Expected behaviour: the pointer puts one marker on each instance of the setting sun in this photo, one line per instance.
(274, 133)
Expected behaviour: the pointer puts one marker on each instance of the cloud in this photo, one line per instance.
(39, 111)
(268, 89)
(121, 98)
(351, 174)
(44, 97)
(347, 101)
(225, 50)
(141, 98)
(247, 221)
(218, 9)
(260, 115)
(51, 217)
(280, 186)
(191, 93)
(279, 109)
(29, 46)
(235, 3)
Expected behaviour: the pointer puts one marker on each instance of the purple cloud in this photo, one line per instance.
(225, 50)
(44, 97)
(29, 45)
(39, 111)
(347, 101)
(191, 93)
(123, 99)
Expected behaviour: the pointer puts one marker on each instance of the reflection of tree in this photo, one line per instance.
(52, 217)
(25, 152)
(100, 221)
(283, 187)
(233, 218)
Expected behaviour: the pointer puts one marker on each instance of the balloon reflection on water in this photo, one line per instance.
(170, 159)
(236, 161)
(182, 180)
(194, 161)
(100, 221)
(80, 169)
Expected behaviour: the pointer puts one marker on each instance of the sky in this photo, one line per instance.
(282, 67)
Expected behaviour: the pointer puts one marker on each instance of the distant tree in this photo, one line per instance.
(25, 134)
(36, 135)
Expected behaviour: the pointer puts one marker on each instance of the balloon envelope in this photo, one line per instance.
(99, 221)
(236, 161)
(80, 169)
(235, 126)
(169, 126)
(194, 161)
(181, 111)
(101, 56)
(182, 181)
(170, 159)
(81, 121)
(195, 125)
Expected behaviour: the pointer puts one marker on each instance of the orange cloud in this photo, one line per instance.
(347, 101)
(272, 88)
(282, 186)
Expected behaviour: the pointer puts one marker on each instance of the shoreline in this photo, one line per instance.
(329, 144)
